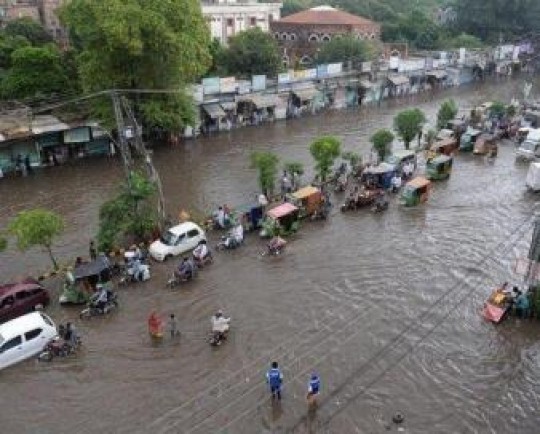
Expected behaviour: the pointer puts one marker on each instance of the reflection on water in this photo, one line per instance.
(384, 307)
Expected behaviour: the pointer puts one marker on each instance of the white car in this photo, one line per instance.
(533, 177)
(177, 240)
(24, 337)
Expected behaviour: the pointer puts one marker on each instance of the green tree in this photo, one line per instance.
(37, 227)
(382, 141)
(408, 124)
(464, 40)
(129, 215)
(498, 109)
(296, 169)
(353, 158)
(293, 6)
(134, 44)
(35, 71)
(345, 49)
(8, 44)
(324, 151)
(34, 32)
(252, 52)
(267, 165)
(447, 111)
(3, 243)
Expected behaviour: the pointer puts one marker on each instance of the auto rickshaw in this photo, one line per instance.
(81, 283)
(379, 176)
(416, 191)
(521, 135)
(458, 126)
(308, 199)
(445, 146)
(486, 144)
(360, 199)
(439, 167)
(469, 139)
(250, 215)
(282, 220)
(400, 157)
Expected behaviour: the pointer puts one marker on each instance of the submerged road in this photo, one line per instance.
(384, 307)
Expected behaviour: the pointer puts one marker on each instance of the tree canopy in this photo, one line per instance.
(447, 111)
(344, 49)
(35, 71)
(37, 227)
(28, 28)
(324, 151)
(408, 124)
(250, 52)
(267, 165)
(382, 139)
(141, 44)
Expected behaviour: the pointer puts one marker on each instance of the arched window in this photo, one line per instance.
(277, 35)
(292, 37)
(372, 36)
(285, 60)
(284, 36)
(313, 37)
(326, 38)
(306, 60)
(360, 36)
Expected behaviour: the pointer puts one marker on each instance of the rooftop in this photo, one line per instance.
(326, 15)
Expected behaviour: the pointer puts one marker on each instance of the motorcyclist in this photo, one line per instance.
(101, 298)
(396, 183)
(380, 201)
(186, 269)
(275, 245)
(220, 325)
(201, 251)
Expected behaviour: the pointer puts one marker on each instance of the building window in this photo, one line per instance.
(230, 22)
(284, 36)
(372, 36)
(360, 37)
(292, 36)
(313, 37)
(252, 21)
(326, 38)
(285, 61)
(305, 60)
(277, 35)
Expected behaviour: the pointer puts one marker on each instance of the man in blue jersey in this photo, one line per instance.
(274, 378)
(314, 387)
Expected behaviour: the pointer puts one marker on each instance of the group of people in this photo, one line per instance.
(69, 334)
(514, 297)
(274, 378)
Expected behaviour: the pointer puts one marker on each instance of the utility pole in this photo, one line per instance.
(534, 255)
(124, 149)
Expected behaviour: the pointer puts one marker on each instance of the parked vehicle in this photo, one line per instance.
(379, 176)
(446, 146)
(250, 215)
(282, 220)
(533, 177)
(58, 347)
(16, 299)
(176, 241)
(530, 148)
(469, 139)
(25, 337)
(400, 157)
(416, 191)
(81, 283)
(309, 201)
(439, 167)
(521, 135)
(486, 144)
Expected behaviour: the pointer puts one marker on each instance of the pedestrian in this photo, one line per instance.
(314, 387)
(27, 164)
(92, 251)
(274, 378)
(173, 326)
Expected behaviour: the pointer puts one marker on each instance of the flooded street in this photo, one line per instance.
(385, 307)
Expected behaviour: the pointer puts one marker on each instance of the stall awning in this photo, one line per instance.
(47, 124)
(264, 101)
(366, 84)
(214, 110)
(230, 105)
(398, 80)
(437, 74)
(306, 94)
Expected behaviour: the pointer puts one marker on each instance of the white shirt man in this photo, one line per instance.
(238, 233)
(396, 182)
(200, 251)
(220, 324)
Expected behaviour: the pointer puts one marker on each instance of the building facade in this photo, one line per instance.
(300, 35)
(226, 18)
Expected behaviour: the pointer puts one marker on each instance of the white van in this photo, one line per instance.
(177, 240)
(24, 337)
(530, 148)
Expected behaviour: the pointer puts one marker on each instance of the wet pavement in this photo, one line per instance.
(383, 306)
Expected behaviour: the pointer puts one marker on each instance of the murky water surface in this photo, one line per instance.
(384, 307)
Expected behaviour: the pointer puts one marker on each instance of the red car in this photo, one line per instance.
(17, 299)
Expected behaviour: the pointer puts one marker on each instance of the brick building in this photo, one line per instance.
(301, 34)
(13, 9)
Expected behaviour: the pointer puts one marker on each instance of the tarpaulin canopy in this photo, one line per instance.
(306, 94)
(493, 313)
(214, 110)
(398, 80)
(92, 268)
(282, 210)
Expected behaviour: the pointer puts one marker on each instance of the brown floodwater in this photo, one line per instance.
(383, 306)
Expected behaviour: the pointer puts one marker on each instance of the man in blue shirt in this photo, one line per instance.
(274, 378)
(314, 387)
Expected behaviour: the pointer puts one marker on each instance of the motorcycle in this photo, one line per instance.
(178, 279)
(132, 274)
(228, 242)
(217, 338)
(93, 310)
(207, 260)
(58, 348)
(276, 248)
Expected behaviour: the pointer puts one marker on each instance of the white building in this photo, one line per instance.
(226, 18)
